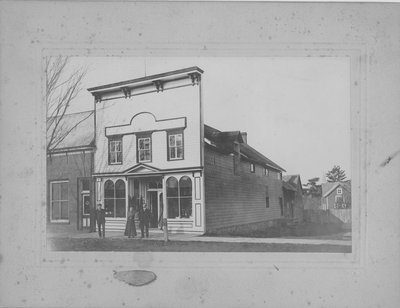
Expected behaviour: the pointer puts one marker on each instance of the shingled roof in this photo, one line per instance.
(81, 130)
(223, 141)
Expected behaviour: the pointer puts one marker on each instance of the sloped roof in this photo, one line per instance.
(223, 141)
(288, 186)
(293, 181)
(328, 188)
(80, 127)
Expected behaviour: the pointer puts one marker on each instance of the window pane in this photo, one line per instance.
(179, 140)
(118, 146)
(120, 189)
(108, 189)
(55, 191)
(55, 210)
(179, 152)
(172, 140)
(172, 153)
(186, 207)
(119, 157)
(147, 155)
(64, 210)
(141, 146)
(185, 185)
(172, 187)
(146, 143)
(109, 207)
(64, 191)
(120, 208)
(173, 207)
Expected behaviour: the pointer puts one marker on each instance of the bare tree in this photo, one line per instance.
(62, 87)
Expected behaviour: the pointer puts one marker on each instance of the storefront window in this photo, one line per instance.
(115, 199)
(179, 197)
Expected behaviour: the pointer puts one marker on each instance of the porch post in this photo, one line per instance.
(165, 211)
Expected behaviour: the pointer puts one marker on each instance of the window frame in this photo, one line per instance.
(339, 191)
(115, 198)
(51, 201)
(252, 168)
(178, 197)
(281, 205)
(174, 133)
(267, 205)
(266, 171)
(144, 136)
(111, 140)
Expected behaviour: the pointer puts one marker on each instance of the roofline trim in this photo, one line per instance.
(147, 78)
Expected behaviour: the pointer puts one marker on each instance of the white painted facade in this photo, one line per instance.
(151, 108)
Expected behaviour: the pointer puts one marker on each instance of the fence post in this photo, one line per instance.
(165, 225)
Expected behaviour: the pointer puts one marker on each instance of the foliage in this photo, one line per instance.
(336, 174)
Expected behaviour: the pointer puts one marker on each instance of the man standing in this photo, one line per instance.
(101, 220)
(144, 220)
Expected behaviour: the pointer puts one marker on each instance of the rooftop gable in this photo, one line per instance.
(328, 188)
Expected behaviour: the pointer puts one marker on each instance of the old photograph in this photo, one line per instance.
(201, 154)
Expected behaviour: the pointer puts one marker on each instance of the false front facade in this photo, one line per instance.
(149, 149)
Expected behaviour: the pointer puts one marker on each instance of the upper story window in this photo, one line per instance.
(115, 150)
(252, 168)
(280, 176)
(175, 145)
(266, 171)
(339, 191)
(144, 149)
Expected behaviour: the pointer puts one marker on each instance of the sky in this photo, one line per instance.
(295, 110)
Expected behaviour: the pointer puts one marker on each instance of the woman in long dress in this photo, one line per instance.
(130, 229)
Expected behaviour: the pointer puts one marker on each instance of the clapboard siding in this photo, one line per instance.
(237, 199)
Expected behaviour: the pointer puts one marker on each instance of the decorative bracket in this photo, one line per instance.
(196, 77)
(97, 98)
(127, 92)
(159, 85)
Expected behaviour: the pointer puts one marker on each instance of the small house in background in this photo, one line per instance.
(293, 197)
(69, 172)
(336, 195)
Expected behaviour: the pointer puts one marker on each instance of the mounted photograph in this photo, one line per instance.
(198, 154)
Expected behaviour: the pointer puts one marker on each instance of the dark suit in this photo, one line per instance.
(101, 221)
(144, 221)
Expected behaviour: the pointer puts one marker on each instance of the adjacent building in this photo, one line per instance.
(69, 171)
(293, 197)
(336, 195)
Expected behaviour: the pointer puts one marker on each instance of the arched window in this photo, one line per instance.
(185, 194)
(120, 199)
(172, 197)
(179, 197)
(114, 198)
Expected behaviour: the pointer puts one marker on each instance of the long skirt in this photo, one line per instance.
(130, 228)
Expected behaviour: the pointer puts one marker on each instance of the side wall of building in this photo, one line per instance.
(69, 168)
(238, 199)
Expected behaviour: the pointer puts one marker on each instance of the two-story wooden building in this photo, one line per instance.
(152, 146)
